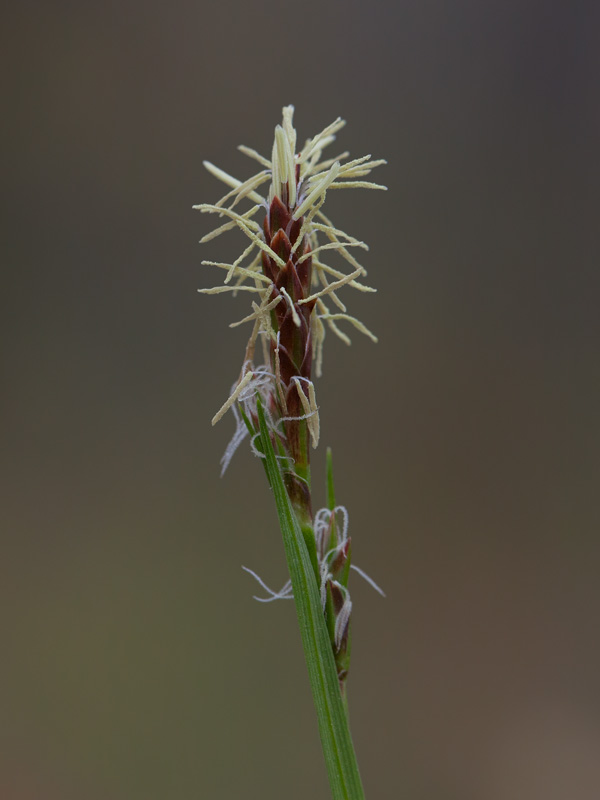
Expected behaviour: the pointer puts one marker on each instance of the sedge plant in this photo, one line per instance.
(294, 302)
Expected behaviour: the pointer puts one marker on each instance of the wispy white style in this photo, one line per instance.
(325, 522)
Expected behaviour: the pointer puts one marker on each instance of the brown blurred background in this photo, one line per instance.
(134, 662)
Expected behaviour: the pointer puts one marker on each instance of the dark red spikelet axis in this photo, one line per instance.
(295, 345)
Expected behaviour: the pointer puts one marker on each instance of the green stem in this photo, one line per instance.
(336, 741)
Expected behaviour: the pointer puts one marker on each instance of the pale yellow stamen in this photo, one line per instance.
(318, 330)
(332, 294)
(308, 165)
(332, 287)
(324, 165)
(237, 263)
(359, 167)
(337, 232)
(357, 324)
(228, 226)
(261, 324)
(239, 219)
(244, 272)
(321, 267)
(332, 246)
(247, 226)
(251, 153)
(347, 256)
(316, 427)
(232, 397)
(316, 191)
(245, 189)
(321, 140)
(229, 180)
(250, 347)
(342, 251)
(349, 166)
(258, 311)
(310, 408)
(290, 303)
(307, 224)
(288, 127)
(340, 334)
(284, 165)
(262, 244)
(358, 185)
(221, 289)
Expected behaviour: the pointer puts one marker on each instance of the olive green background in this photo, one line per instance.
(134, 664)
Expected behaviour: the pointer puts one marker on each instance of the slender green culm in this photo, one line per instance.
(273, 401)
(338, 749)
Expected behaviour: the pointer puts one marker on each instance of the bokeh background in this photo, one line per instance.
(134, 663)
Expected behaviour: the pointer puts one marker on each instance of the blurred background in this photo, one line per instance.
(134, 662)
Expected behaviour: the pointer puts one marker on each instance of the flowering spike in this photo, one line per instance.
(281, 268)
(294, 299)
(284, 266)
